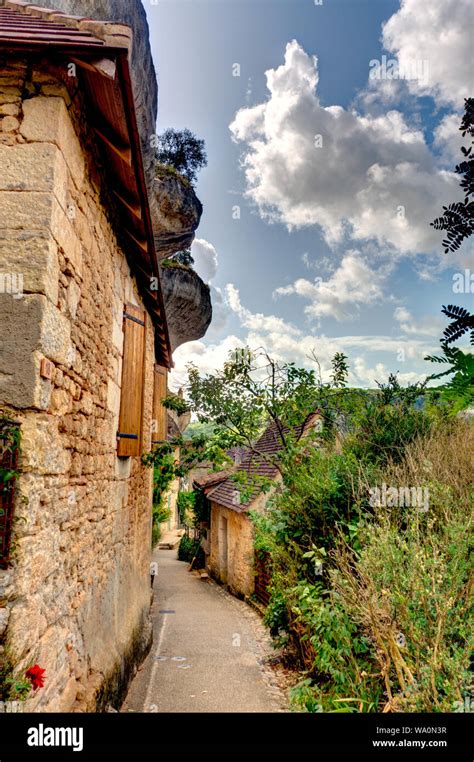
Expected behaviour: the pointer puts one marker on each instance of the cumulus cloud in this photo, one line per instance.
(285, 342)
(440, 33)
(448, 140)
(205, 259)
(353, 283)
(206, 356)
(370, 176)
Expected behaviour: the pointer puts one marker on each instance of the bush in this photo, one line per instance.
(188, 548)
(408, 588)
(372, 601)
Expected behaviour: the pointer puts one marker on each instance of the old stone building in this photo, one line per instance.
(84, 351)
(230, 552)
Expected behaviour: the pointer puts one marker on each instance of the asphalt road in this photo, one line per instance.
(208, 653)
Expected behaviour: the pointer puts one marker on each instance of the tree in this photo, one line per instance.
(458, 217)
(182, 150)
(184, 257)
(461, 322)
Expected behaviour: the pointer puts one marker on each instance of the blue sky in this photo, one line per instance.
(319, 258)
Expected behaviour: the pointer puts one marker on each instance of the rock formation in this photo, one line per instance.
(175, 208)
(187, 304)
(176, 212)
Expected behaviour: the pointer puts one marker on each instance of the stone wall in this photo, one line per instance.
(77, 598)
(239, 575)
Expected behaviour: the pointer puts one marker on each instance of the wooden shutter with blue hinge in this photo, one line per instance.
(159, 429)
(129, 434)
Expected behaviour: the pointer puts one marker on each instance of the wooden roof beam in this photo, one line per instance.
(133, 206)
(106, 67)
(123, 152)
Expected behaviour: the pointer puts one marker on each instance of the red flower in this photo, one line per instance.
(36, 675)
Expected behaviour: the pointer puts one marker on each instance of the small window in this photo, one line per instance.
(129, 434)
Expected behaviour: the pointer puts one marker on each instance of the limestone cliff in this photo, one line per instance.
(187, 303)
(145, 86)
(176, 212)
(175, 209)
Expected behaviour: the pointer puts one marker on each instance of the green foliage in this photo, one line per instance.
(349, 580)
(459, 391)
(163, 170)
(186, 507)
(188, 548)
(13, 686)
(458, 217)
(461, 322)
(176, 403)
(408, 587)
(160, 514)
(184, 257)
(387, 422)
(10, 440)
(183, 151)
(170, 264)
(340, 370)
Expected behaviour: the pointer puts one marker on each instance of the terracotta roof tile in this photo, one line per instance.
(261, 463)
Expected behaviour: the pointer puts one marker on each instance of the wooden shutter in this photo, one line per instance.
(160, 429)
(129, 435)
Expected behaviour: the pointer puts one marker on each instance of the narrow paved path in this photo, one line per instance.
(209, 650)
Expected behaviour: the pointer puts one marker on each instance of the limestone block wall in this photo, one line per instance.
(233, 567)
(170, 500)
(76, 600)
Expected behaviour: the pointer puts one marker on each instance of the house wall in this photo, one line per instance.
(239, 575)
(170, 500)
(77, 598)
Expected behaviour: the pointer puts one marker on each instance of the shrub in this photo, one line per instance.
(408, 587)
(373, 601)
(188, 548)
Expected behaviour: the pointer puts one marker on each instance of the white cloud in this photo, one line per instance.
(353, 283)
(439, 32)
(205, 259)
(448, 140)
(374, 176)
(287, 343)
(256, 321)
(207, 357)
(429, 325)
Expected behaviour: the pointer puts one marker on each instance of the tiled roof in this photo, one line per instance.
(207, 481)
(100, 50)
(260, 463)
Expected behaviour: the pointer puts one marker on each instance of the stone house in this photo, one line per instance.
(84, 354)
(231, 557)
